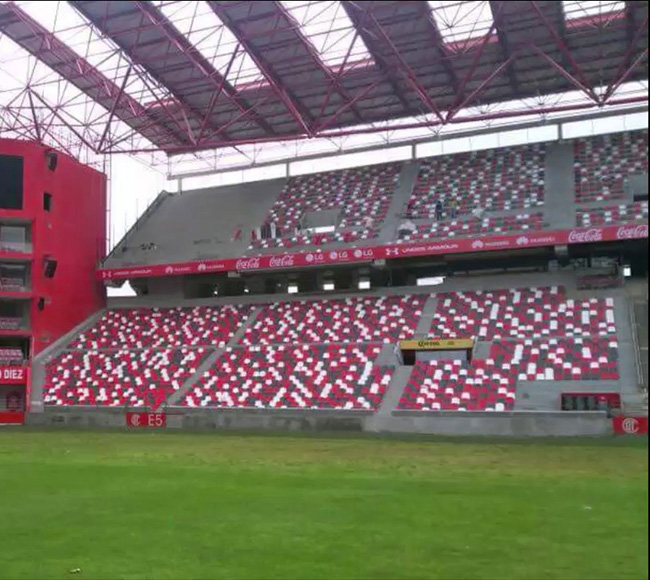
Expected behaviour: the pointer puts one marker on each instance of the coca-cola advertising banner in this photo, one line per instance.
(13, 375)
(391, 252)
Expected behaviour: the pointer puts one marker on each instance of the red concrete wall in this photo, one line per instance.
(73, 234)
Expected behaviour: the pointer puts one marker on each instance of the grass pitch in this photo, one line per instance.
(154, 505)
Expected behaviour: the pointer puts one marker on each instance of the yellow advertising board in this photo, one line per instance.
(427, 344)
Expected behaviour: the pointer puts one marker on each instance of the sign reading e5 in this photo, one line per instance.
(146, 420)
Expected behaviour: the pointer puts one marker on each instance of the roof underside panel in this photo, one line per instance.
(432, 63)
(150, 40)
(39, 42)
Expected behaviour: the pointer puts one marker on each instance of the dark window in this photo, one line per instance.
(11, 182)
(47, 201)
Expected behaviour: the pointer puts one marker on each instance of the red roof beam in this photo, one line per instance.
(301, 116)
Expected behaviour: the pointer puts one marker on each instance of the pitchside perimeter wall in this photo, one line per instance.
(523, 424)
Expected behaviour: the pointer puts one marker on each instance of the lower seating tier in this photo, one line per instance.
(144, 378)
(164, 328)
(491, 385)
(303, 377)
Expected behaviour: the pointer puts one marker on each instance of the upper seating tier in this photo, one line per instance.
(604, 163)
(494, 180)
(362, 196)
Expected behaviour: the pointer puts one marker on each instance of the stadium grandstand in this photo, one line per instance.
(404, 217)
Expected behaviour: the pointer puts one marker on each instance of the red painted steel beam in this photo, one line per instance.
(48, 49)
(628, 66)
(368, 39)
(405, 69)
(423, 124)
(299, 113)
(316, 59)
(497, 9)
(439, 43)
(581, 80)
(469, 77)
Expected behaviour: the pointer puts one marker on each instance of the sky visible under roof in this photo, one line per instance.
(328, 27)
(204, 29)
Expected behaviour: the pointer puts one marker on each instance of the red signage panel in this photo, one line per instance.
(13, 375)
(390, 252)
(12, 418)
(631, 425)
(146, 420)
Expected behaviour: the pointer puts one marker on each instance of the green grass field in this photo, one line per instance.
(151, 505)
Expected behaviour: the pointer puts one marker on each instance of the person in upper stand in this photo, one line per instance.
(439, 210)
(453, 208)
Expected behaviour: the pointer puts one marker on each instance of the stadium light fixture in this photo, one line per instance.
(627, 271)
(364, 285)
(293, 289)
(330, 31)
(329, 286)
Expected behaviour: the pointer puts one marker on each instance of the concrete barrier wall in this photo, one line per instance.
(522, 424)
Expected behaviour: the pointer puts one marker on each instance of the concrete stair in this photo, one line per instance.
(560, 192)
(407, 180)
(175, 399)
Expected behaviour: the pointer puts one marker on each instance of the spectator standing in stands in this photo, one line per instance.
(439, 210)
(453, 208)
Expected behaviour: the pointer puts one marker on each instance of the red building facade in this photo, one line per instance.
(52, 237)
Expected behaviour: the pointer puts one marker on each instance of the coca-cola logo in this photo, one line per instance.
(248, 264)
(585, 236)
(282, 262)
(632, 232)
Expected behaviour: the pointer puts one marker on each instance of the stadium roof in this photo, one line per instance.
(179, 77)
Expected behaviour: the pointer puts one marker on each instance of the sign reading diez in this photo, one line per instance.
(391, 252)
(13, 375)
(146, 420)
